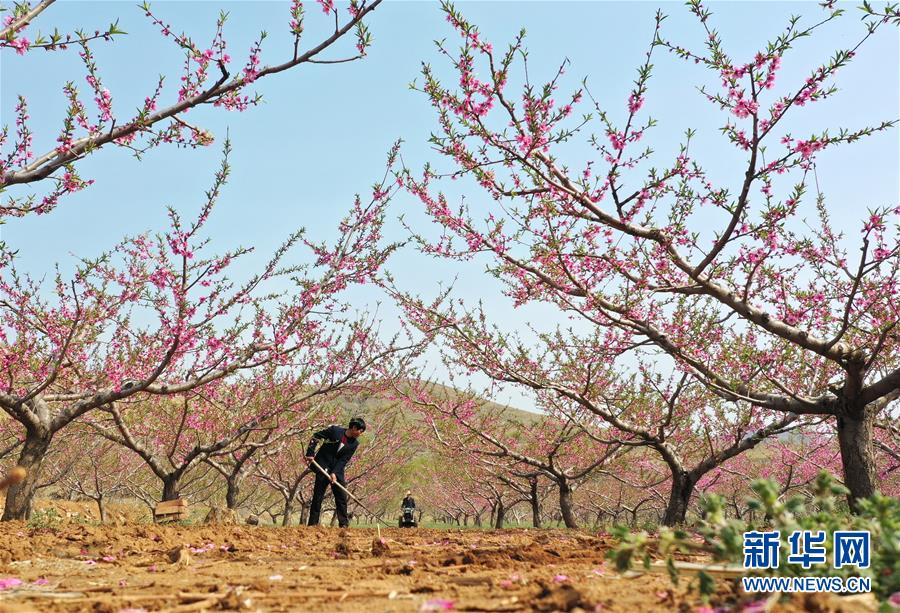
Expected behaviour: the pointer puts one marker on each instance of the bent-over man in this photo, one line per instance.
(338, 445)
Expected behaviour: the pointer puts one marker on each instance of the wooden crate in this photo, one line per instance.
(171, 510)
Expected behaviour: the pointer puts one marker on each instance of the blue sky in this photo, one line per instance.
(323, 131)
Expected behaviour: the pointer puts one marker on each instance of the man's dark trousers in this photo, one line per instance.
(333, 455)
(340, 500)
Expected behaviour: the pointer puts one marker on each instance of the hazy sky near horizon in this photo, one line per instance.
(323, 131)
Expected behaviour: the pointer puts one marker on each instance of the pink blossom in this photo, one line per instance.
(755, 607)
(21, 45)
(617, 139)
(437, 604)
(209, 546)
(251, 70)
(875, 221)
(635, 103)
(524, 141)
(71, 183)
(560, 578)
(9, 582)
(744, 108)
(806, 95)
(808, 148)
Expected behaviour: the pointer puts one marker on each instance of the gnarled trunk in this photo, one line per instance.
(304, 513)
(232, 492)
(535, 505)
(288, 511)
(854, 430)
(679, 498)
(565, 505)
(20, 495)
(501, 515)
(170, 486)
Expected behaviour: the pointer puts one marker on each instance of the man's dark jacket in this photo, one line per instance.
(328, 456)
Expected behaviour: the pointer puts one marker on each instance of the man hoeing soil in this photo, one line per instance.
(338, 445)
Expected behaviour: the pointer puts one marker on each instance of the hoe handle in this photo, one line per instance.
(349, 493)
(336, 482)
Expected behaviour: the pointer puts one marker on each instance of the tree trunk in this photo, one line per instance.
(857, 455)
(565, 505)
(535, 505)
(634, 515)
(170, 487)
(679, 497)
(101, 507)
(232, 493)
(288, 511)
(304, 510)
(501, 514)
(20, 495)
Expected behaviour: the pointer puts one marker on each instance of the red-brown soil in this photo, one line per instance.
(135, 567)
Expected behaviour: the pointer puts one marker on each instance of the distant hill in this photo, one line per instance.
(375, 405)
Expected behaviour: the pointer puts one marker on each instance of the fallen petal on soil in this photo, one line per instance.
(9, 582)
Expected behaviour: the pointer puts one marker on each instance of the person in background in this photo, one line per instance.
(408, 502)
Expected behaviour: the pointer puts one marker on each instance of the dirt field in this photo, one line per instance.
(175, 568)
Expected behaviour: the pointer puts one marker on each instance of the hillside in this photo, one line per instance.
(375, 405)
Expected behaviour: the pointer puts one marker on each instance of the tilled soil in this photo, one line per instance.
(194, 568)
